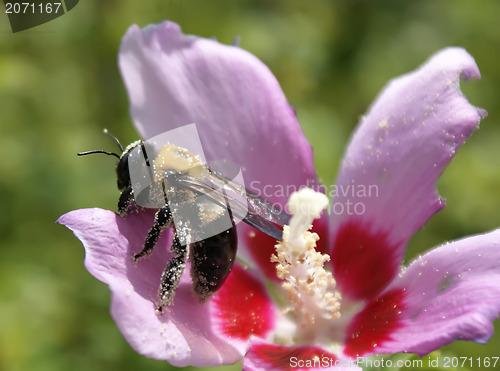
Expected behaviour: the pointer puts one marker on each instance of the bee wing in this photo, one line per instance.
(256, 204)
(244, 204)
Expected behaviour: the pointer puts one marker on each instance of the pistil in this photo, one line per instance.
(309, 286)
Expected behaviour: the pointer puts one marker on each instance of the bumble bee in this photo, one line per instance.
(200, 204)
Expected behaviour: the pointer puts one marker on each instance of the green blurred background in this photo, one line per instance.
(60, 86)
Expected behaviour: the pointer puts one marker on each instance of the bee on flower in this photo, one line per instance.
(335, 286)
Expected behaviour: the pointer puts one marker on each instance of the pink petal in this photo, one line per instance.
(239, 109)
(184, 334)
(387, 184)
(242, 308)
(375, 324)
(272, 357)
(364, 261)
(451, 293)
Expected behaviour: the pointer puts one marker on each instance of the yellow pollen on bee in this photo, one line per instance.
(172, 157)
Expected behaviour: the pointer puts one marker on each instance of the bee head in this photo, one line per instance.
(122, 171)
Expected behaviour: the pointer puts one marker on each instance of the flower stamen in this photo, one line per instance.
(310, 288)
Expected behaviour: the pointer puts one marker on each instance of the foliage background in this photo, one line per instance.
(60, 86)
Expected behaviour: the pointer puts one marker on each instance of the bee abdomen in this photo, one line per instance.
(211, 262)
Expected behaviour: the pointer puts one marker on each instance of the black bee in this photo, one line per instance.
(181, 184)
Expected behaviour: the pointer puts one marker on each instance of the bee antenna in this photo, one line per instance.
(98, 151)
(114, 138)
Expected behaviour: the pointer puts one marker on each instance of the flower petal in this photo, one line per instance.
(451, 293)
(387, 183)
(183, 334)
(374, 325)
(238, 107)
(272, 357)
(363, 259)
(242, 308)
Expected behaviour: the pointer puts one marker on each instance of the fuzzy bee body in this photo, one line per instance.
(181, 184)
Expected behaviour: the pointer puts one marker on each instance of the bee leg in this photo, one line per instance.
(163, 219)
(125, 201)
(172, 274)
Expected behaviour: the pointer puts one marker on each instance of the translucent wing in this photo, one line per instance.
(244, 204)
(256, 203)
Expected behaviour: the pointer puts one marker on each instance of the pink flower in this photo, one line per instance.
(386, 191)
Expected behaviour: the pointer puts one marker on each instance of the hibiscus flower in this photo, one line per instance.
(361, 301)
